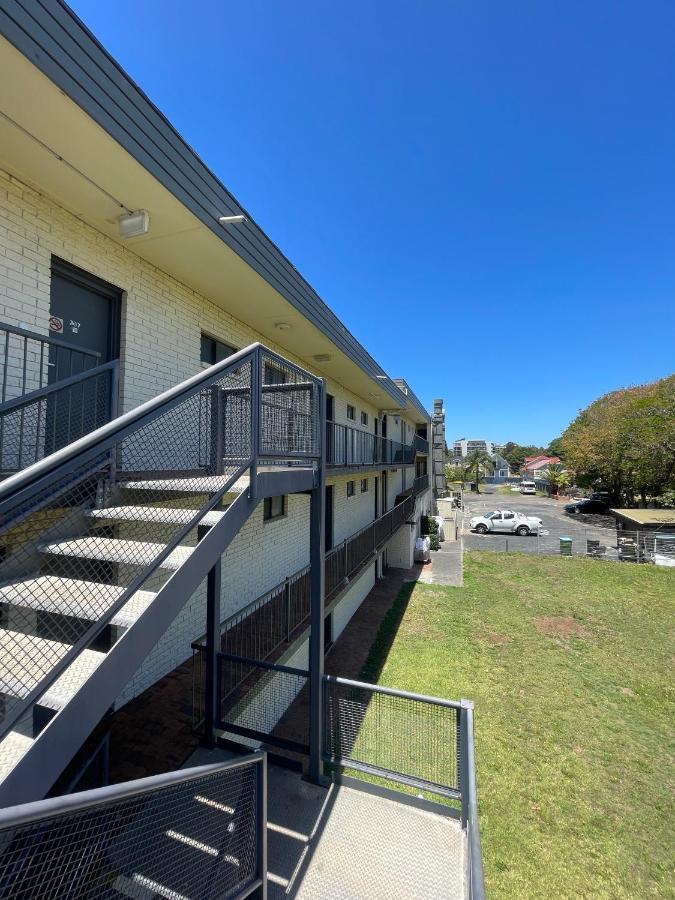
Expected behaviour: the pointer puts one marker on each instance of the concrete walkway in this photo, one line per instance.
(446, 564)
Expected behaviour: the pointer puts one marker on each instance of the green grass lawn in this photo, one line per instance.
(569, 662)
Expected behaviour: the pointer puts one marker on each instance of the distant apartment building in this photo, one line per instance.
(463, 447)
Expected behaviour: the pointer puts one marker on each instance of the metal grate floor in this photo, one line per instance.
(346, 844)
(373, 847)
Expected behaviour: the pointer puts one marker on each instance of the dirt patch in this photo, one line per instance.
(560, 627)
(493, 638)
(628, 692)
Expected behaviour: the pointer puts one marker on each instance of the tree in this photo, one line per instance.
(555, 448)
(515, 454)
(625, 442)
(557, 477)
(477, 463)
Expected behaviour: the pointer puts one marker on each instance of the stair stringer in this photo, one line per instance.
(34, 774)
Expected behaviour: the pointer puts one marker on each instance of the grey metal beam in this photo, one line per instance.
(35, 773)
(286, 480)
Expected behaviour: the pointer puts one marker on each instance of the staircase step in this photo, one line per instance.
(19, 673)
(134, 553)
(87, 600)
(12, 748)
(200, 485)
(154, 514)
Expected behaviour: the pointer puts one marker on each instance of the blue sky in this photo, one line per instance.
(501, 175)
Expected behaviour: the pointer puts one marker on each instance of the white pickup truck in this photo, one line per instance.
(505, 521)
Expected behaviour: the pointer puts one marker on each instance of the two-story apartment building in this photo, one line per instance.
(114, 261)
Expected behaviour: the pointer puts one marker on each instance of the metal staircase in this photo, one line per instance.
(106, 540)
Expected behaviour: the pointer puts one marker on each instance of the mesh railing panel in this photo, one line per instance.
(29, 361)
(255, 697)
(195, 839)
(37, 427)
(289, 416)
(392, 734)
(76, 554)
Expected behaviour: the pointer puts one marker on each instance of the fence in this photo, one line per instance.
(348, 446)
(268, 624)
(424, 743)
(30, 361)
(36, 424)
(197, 833)
(593, 541)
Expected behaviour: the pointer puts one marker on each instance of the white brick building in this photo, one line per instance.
(169, 298)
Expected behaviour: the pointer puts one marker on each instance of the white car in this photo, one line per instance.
(505, 521)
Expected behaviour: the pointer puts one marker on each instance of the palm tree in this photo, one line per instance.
(478, 463)
(557, 477)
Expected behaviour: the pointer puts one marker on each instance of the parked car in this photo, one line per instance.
(528, 487)
(505, 521)
(586, 506)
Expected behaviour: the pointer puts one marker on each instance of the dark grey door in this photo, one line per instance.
(84, 315)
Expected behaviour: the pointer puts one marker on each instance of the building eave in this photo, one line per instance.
(57, 42)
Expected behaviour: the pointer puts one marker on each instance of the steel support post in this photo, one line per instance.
(261, 827)
(256, 420)
(317, 597)
(211, 698)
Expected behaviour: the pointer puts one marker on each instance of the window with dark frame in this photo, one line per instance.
(351, 485)
(364, 418)
(213, 350)
(364, 485)
(351, 412)
(274, 508)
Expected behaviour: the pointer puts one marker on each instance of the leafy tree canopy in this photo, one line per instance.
(625, 441)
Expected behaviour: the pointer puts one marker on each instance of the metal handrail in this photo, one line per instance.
(393, 692)
(40, 811)
(11, 816)
(474, 863)
(47, 390)
(103, 438)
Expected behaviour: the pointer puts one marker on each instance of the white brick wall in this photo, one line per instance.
(162, 321)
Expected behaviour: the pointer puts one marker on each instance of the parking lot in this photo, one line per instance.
(556, 524)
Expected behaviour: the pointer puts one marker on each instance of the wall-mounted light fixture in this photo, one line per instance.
(232, 220)
(134, 224)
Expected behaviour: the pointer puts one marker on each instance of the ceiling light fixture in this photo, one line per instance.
(232, 220)
(134, 224)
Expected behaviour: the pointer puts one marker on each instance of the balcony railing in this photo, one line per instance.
(421, 483)
(421, 444)
(260, 630)
(198, 833)
(347, 446)
(410, 740)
